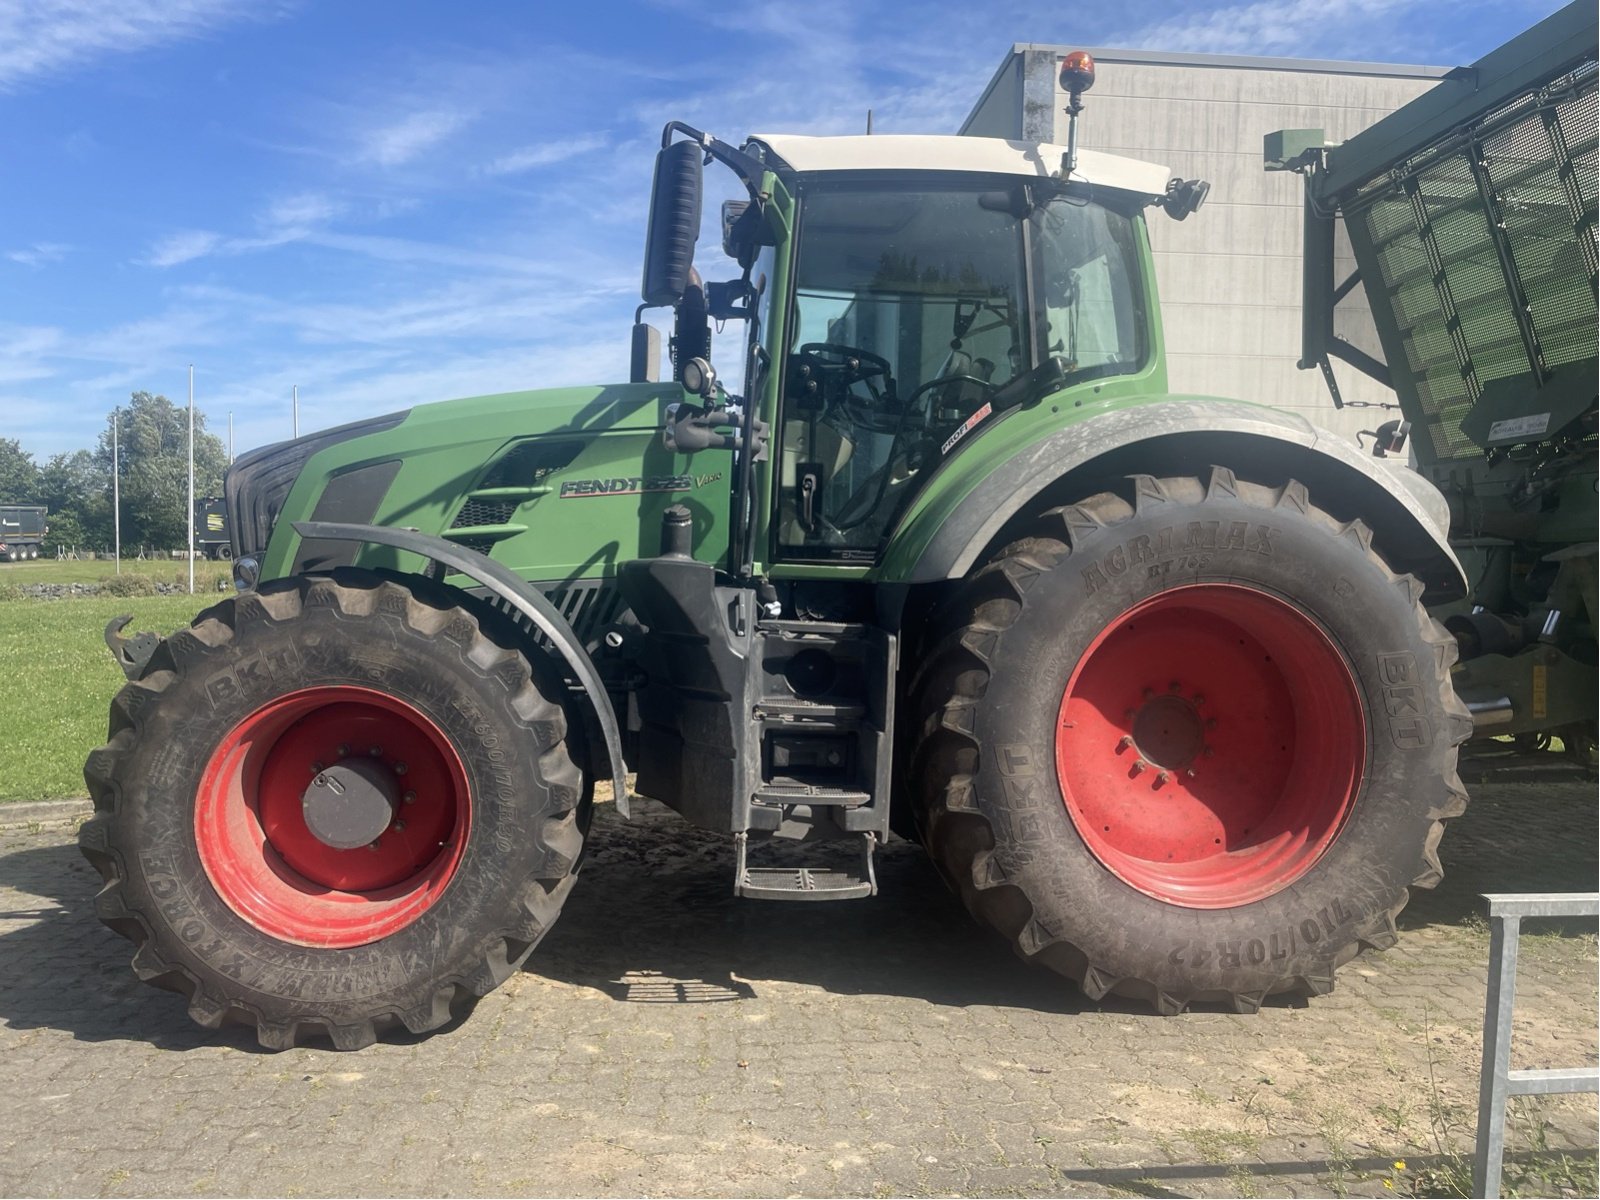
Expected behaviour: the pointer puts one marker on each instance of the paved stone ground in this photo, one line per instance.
(670, 1040)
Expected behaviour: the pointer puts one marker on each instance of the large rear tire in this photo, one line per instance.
(334, 806)
(1192, 748)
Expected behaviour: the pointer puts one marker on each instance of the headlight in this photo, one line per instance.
(246, 573)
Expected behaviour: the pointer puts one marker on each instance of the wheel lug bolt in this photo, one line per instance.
(1209, 751)
(400, 768)
(373, 845)
(399, 825)
(409, 798)
(1148, 692)
(376, 751)
(1199, 699)
(1162, 777)
(1127, 740)
(316, 768)
(343, 749)
(1211, 722)
(1174, 687)
(1190, 772)
(1139, 765)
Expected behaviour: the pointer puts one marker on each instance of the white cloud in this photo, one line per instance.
(544, 154)
(39, 253)
(182, 247)
(301, 211)
(399, 143)
(1267, 27)
(40, 38)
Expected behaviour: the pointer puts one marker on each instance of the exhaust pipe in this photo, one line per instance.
(1491, 713)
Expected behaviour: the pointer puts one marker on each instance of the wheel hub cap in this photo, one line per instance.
(1168, 732)
(350, 804)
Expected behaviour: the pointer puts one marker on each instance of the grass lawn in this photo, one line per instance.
(57, 679)
(49, 570)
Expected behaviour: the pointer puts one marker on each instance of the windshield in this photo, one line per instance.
(913, 308)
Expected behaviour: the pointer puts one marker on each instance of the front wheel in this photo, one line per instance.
(334, 806)
(1191, 748)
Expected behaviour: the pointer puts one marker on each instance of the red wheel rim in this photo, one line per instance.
(271, 869)
(1211, 744)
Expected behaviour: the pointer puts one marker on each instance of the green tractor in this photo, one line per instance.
(1150, 676)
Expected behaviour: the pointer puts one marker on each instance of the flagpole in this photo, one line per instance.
(116, 482)
(296, 406)
(191, 479)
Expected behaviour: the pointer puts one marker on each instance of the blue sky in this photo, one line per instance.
(390, 203)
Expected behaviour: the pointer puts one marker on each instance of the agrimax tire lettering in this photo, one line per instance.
(1186, 547)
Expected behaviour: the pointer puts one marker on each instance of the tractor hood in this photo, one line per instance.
(347, 471)
(558, 410)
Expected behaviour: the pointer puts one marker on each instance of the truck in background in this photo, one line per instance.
(22, 530)
(211, 536)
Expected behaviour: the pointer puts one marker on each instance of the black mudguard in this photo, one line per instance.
(515, 591)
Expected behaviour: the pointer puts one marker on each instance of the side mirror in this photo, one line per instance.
(674, 223)
(646, 357)
(1184, 196)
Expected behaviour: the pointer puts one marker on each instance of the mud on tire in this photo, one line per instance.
(1242, 821)
(198, 791)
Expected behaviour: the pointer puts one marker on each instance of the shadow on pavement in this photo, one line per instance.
(1150, 1181)
(654, 920)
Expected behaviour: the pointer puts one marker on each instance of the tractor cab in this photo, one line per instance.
(904, 294)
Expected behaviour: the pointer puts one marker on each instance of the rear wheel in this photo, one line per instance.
(334, 806)
(1192, 748)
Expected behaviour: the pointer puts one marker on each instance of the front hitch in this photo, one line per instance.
(131, 653)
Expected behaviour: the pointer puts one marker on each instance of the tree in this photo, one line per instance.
(154, 464)
(19, 477)
(77, 491)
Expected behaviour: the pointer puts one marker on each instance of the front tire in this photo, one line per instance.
(451, 840)
(1191, 748)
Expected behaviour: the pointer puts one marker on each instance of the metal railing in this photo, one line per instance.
(1498, 1082)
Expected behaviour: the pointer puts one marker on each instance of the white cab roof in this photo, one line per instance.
(920, 152)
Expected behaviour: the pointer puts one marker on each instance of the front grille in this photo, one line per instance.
(258, 483)
(484, 512)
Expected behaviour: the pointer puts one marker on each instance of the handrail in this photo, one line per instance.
(1497, 1081)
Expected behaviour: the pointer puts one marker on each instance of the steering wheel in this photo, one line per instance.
(905, 461)
(858, 363)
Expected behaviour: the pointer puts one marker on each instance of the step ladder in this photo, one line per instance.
(805, 883)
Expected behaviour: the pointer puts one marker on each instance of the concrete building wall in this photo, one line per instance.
(1230, 274)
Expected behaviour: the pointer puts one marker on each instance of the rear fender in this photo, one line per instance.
(1408, 515)
(515, 591)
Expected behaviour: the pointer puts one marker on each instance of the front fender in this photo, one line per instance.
(515, 592)
(1183, 435)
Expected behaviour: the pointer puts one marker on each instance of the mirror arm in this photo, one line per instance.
(747, 167)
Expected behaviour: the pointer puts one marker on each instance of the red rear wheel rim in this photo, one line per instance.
(1210, 746)
(270, 868)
